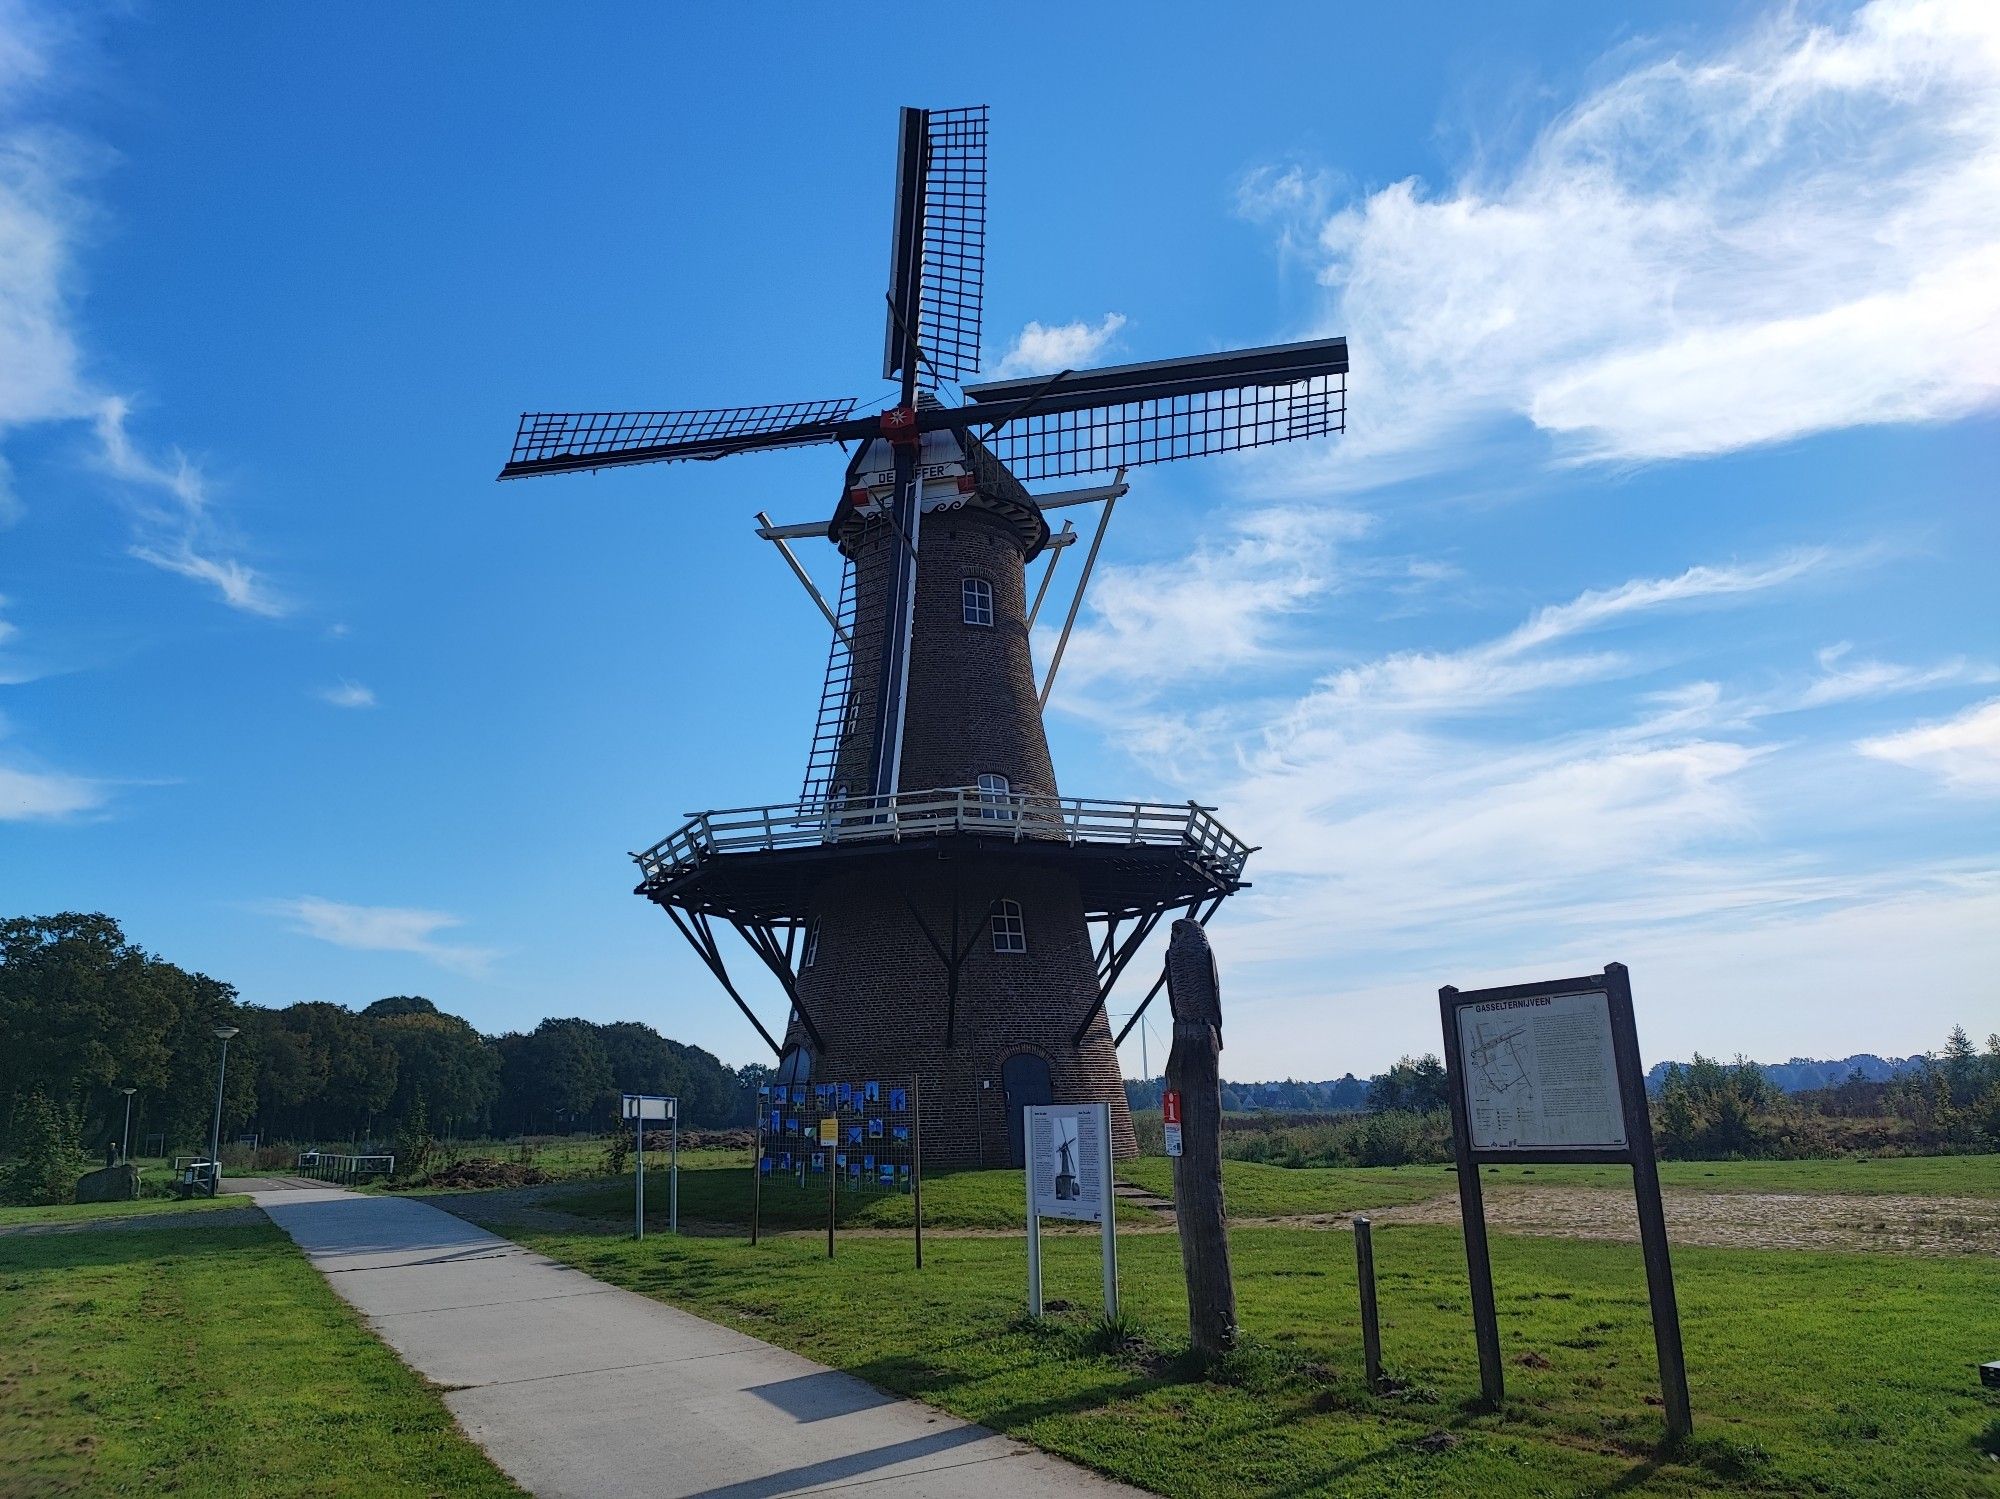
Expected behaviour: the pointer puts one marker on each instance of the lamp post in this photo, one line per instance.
(222, 1034)
(125, 1148)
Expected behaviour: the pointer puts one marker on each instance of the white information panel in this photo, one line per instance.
(1066, 1161)
(1069, 1176)
(648, 1106)
(1541, 1073)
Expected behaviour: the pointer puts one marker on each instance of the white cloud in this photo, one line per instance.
(348, 695)
(1963, 752)
(1399, 830)
(43, 379)
(1044, 350)
(1843, 679)
(1797, 232)
(382, 929)
(30, 795)
(1219, 609)
(174, 527)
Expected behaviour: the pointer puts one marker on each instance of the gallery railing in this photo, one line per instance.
(916, 814)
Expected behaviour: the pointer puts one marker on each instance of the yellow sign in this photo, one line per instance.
(829, 1131)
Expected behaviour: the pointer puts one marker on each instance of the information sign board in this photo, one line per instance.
(642, 1109)
(1069, 1176)
(832, 1136)
(1541, 1072)
(1550, 1072)
(1067, 1144)
(1170, 1116)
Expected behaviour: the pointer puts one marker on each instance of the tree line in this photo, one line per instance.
(85, 1012)
(1945, 1102)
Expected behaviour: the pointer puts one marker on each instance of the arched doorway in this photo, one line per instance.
(1024, 1078)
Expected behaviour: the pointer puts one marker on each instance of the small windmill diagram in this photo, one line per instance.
(934, 909)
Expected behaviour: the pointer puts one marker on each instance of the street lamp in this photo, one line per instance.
(222, 1034)
(125, 1150)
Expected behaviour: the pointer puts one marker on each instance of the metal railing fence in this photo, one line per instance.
(325, 1166)
(963, 809)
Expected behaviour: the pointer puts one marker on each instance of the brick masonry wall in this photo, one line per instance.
(878, 992)
(877, 988)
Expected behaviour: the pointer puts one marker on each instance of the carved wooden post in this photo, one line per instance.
(1193, 1071)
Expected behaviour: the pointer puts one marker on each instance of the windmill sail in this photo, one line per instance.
(551, 442)
(1129, 415)
(937, 246)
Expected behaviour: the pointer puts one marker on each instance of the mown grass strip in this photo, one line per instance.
(207, 1361)
(1841, 1374)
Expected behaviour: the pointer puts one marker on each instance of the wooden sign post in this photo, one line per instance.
(1549, 1074)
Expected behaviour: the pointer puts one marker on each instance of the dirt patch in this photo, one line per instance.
(1735, 1220)
(482, 1174)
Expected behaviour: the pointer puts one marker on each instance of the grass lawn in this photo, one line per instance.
(1851, 1176)
(715, 1188)
(1259, 1191)
(1254, 1190)
(207, 1361)
(1839, 1374)
(83, 1212)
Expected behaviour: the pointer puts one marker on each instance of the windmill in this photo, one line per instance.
(932, 906)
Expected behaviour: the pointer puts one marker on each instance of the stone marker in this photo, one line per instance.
(1193, 1070)
(112, 1184)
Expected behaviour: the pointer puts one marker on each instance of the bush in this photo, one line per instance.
(1394, 1137)
(50, 1159)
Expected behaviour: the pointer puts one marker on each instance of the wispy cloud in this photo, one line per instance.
(1222, 608)
(46, 795)
(1844, 678)
(31, 793)
(1795, 232)
(382, 929)
(44, 212)
(1398, 821)
(348, 695)
(1044, 350)
(1963, 752)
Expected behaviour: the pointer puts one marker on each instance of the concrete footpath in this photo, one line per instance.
(577, 1388)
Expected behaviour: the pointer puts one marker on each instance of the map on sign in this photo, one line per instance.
(1541, 1073)
(1066, 1160)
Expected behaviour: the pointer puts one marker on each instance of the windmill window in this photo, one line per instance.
(1009, 932)
(811, 954)
(978, 601)
(993, 795)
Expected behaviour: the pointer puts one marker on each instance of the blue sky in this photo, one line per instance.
(1646, 611)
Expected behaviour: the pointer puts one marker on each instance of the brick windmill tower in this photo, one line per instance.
(933, 906)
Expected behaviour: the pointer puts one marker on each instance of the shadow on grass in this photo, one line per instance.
(135, 1246)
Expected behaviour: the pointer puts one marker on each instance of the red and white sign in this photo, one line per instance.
(1170, 1114)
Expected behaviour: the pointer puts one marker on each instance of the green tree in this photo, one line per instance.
(443, 1066)
(1417, 1084)
(48, 1157)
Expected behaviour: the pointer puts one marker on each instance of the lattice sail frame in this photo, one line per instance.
(1160, 430)
(573, 438)
(954, 268)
